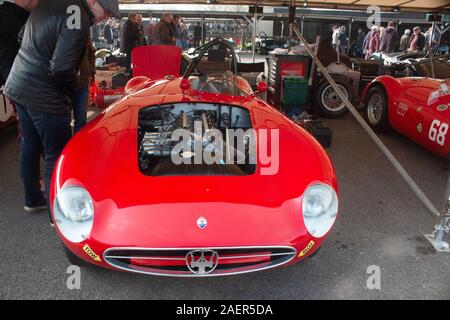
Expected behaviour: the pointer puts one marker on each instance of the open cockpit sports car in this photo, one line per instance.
(193, 176)
(418, 108)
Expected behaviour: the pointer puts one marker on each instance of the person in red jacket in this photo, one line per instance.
(373, 43)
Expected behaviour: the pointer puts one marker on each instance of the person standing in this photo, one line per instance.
(366, 42)
(130, 38)
(373, 43)
(108, 34)
(13, 16)
(81, 96)
(177, 28)
(389, 38)
(197, 34)
(163, 32)
(417, 40)
(404, 40)
(150, 27)
(184, 36)
(141, 33)
(360, 42)
(335, 38)
(342, 40)
(49, 57)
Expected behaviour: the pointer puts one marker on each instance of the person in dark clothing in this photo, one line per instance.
(197, 34)
(141, 40)
(416, 41)
(108, 34)
(389, 39)
(360, 42)
(163, 32)
(81, 96)
(13, 17)
(43, 79)
(130, 37)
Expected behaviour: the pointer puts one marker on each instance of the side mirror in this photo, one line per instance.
(185, 84)
(262, 87)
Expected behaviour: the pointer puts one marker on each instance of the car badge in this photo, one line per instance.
(419, 128)
(202, 223)
(202, 262)
(442, 107)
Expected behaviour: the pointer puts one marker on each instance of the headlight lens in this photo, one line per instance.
(74, 213)
(319, 208)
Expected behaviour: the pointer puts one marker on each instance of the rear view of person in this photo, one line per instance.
(404, 40)
(389, 39)
(42, 81)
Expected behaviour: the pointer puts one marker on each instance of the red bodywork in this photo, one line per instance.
(137, 211)
(411, 114)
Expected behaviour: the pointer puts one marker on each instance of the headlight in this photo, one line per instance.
(319, 207)
(74, 213)
(263, 45)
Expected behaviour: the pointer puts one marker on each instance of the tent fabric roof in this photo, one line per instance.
(409, 5)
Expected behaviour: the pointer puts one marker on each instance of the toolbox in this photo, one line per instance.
(318, 130)
(283, 66)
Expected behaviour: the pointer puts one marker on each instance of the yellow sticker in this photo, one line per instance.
(91, 253)
(307, 248)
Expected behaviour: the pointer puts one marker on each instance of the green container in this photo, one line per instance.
(295, 91)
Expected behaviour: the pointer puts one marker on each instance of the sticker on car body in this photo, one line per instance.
(438, 132)
(442, 107)
(91, 253)
(307, 248)
(402, 109)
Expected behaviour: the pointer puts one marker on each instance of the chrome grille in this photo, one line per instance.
(173, 261)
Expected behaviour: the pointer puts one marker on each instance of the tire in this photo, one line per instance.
(74, 259)
(376, 110)
(328, 102)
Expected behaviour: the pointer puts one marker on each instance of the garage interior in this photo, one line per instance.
(381, 220)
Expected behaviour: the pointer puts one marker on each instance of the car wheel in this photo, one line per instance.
(328, 102)
(74, 259)
(376, 109)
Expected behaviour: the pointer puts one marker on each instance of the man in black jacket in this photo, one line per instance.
(130, 37)
(13, 17)
(43, 78)
(416, 41)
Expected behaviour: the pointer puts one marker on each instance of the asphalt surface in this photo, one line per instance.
(379, 224)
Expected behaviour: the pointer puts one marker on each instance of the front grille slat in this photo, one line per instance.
(168, 261)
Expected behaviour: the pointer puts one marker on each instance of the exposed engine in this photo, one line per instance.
(218, 131)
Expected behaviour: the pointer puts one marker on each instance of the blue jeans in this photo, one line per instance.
(79, 107)
(40, 130)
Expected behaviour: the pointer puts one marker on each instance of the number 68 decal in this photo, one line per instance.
(438, 131)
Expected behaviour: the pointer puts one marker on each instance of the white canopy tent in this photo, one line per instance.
(405, 5)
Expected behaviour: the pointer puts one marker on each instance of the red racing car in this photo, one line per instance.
(129, 192)
(418, 108)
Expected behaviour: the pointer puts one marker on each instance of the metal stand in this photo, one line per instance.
(436, 239)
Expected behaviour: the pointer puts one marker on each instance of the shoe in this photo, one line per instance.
(52, 224)
(35, 209)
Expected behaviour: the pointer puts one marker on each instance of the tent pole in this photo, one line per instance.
(255, 21)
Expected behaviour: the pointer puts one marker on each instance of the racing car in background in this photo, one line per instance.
(416, 107)
(124, 203)
(266, 44)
